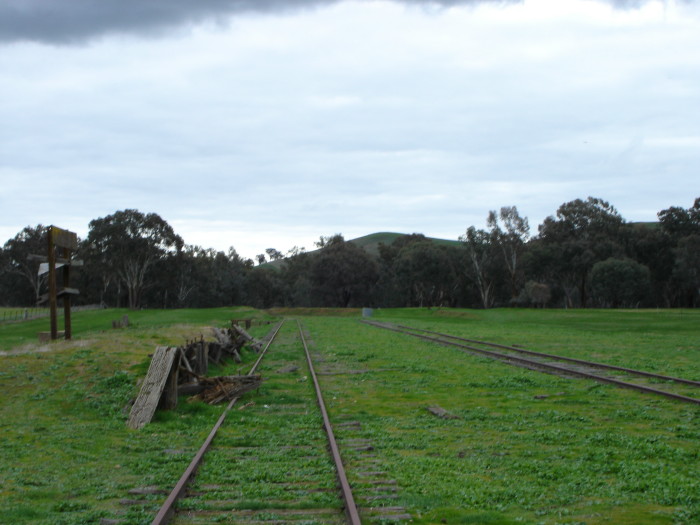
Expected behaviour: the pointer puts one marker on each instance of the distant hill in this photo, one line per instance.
(370, 243)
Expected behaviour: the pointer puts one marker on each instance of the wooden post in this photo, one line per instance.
(202, 358)
(52, 284)
(66, 297)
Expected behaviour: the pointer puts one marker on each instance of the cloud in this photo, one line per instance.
(75, 21)
(79, 21)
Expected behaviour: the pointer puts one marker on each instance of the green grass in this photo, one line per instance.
(86, 323)
(587, 453)
(66, 452)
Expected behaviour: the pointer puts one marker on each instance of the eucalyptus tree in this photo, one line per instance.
(686, 272)
(20, 274)
(683, 227)
(680, 222)
(583, 233)
(481, 266)
(426, 274)
(510, 232)
(129, 244)
(343, 274)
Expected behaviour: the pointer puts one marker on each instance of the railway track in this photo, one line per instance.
(276, 460)
(639, 380)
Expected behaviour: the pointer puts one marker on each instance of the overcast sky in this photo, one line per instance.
(267, 123)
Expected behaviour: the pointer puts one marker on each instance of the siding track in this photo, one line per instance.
(614, 375)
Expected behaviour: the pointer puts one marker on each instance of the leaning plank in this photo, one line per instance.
(254, 343)
(221, 336)
(152, 388)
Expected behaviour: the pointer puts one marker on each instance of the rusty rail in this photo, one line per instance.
(168, 508)
(593, 364)
(549, 367)
(351, 511)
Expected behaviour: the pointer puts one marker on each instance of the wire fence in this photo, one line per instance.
(27, 314)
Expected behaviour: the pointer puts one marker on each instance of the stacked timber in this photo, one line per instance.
(183, 371)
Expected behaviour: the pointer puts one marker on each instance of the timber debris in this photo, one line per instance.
(176, 371)
(218, 389)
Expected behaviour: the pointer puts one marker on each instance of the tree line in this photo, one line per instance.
(585, 255)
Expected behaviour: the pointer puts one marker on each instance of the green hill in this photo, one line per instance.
(370, 243)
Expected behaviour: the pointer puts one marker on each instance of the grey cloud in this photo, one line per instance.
(77, 21)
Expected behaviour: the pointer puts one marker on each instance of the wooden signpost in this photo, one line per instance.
(67, 241)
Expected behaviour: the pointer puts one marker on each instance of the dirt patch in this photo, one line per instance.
(38, 348)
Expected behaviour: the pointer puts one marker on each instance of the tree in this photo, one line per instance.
(583, 233)
(16, 252)
(273, 254)
(128, 244)
(390, 290)
(686, 272)
(683, 228)
(680, 222)
(620, 282)
(343, 274)
(537, 294)
(323, 240)
(425, 274)
(511, 239)
(264, 287)
(481, 263)
(653, 247)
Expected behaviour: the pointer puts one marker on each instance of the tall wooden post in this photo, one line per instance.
(66, 296)
(52, 285)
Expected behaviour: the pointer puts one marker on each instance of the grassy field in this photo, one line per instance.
(525, 447)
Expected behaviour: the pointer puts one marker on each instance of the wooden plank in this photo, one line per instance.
(152, 388)
(64, 238)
